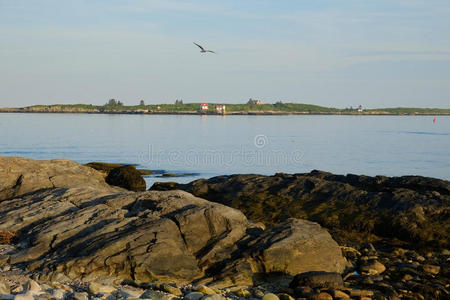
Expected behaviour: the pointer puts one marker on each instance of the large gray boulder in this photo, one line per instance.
(19, 175)
(85, 228)
(145, 236)
(297, 246)
(294, 246)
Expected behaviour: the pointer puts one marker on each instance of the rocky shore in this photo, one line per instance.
(410, 211)
(67, 234)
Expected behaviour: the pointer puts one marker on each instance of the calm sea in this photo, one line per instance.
(206, 146)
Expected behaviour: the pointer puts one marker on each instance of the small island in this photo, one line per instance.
(252, 107)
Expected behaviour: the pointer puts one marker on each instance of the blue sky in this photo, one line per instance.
(382, 53)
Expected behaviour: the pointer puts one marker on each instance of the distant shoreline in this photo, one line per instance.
(276, 109)
(238, 113)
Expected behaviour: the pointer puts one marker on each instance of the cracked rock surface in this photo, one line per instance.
(69, 221)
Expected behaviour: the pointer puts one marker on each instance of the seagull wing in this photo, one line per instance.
(211, 51)
(203, 49)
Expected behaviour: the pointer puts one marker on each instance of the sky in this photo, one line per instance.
(337, 53)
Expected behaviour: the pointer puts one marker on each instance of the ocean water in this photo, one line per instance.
(206, 146)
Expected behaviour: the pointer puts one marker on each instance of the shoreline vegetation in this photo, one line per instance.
(278, 108)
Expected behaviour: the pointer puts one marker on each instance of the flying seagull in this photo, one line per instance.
(203, 49)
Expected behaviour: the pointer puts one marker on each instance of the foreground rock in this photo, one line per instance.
(19, 176)
(84, 228)
(412, 210)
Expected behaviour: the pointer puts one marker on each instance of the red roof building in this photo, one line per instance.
(220, 109)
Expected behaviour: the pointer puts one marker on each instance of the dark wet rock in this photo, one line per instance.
(193, 296)
(412, 210)
(93, 230)
(176, 174)
(168, 175)
(126, 177)
(106, 168)
(317, 280)
(385, 288)
(164, 186)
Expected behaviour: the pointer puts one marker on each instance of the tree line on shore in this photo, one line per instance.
(114, 105)
(278, 106)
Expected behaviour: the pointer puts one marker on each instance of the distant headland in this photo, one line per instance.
(252, 107)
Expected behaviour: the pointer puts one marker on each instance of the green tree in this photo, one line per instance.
(279, 104)
(111, 102)
(142, 103)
